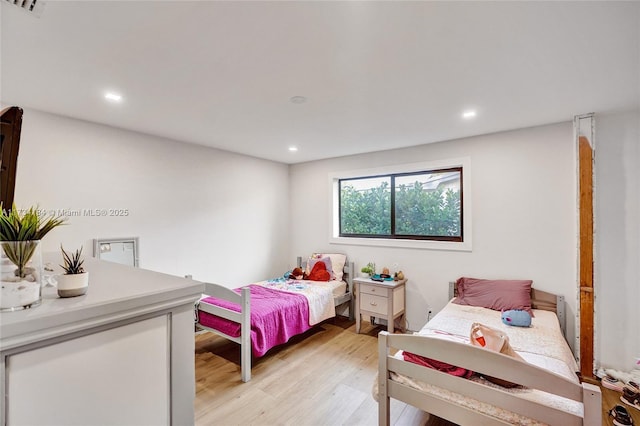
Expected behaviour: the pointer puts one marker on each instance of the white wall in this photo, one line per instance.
(617, 259)
(219, 216)
(524, 215)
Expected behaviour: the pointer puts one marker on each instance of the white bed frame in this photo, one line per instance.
(244, 316)
(483, 361)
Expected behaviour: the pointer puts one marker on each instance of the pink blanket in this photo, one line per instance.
(437, 365)
(276, 316)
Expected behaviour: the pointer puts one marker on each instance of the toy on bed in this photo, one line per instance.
(318, 272)
(297, 274)
(516, 317)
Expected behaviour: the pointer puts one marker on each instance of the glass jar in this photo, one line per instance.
(20, 275)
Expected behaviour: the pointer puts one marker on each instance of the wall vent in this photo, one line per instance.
(32, 6)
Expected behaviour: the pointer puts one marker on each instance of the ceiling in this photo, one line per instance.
(375, 75)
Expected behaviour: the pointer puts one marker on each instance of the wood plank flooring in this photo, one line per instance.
(323, 377)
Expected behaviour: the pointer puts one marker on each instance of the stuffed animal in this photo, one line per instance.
(297, 274)
(517, 318)
(319, 273)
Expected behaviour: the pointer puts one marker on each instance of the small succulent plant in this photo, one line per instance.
(72, 262)
(369, 269)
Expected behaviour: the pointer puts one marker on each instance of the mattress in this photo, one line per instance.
(542, 345)
(338, 288)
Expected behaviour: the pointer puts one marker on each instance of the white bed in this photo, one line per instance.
(552, 393)
(340, 291)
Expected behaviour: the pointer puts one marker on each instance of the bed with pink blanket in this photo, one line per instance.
(263, 315)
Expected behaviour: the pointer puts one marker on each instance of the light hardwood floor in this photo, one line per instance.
(323, 377)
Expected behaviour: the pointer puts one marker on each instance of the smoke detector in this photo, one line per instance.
(32, 6)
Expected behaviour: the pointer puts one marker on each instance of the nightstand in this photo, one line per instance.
(385, 300)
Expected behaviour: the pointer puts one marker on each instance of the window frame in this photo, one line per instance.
(464, 243)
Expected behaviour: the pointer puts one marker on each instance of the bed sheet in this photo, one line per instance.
(542, 345)
(338, 288)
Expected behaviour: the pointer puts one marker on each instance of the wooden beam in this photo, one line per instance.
(585, 167)
(11, 125)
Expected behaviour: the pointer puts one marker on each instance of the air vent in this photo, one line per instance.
(32, 6)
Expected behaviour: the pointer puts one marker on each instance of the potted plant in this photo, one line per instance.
(369, 269)
(75, 280)
(20, 258)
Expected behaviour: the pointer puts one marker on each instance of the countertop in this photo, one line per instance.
(116, 292)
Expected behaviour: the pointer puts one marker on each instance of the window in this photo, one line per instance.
(425, 205)
(420, 205)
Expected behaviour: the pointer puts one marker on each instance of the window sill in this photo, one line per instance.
(411, 244)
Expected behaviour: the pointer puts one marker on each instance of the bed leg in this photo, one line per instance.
(245, 361)
(592, 400)
(245, 333)
(384, 415)
(352, 307)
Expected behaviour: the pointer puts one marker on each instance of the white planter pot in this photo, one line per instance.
(71, 285)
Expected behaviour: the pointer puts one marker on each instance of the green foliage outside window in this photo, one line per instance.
(366, 212)
(427, 208)
(427, 213)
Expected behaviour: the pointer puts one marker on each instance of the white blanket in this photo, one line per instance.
(320, 297)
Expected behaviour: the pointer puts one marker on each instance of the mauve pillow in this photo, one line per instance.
(499, 295)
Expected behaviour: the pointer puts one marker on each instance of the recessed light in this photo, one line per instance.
(293, 148)
(298, 99)
(114, 97)
(469, 114)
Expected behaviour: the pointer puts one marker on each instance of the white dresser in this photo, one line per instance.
(123, 354)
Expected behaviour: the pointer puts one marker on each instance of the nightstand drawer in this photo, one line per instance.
(373, 303)
(372, 289)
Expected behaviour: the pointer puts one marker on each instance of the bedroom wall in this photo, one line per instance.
(524, 215)
(617, 239)
(213, 214)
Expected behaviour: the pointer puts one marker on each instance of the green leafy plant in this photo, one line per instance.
(370, 268)
(20, 233)
(72, 262)
(418, 211)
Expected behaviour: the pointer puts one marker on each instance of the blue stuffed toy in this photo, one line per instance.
(517, 318)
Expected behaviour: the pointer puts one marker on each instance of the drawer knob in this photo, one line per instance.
(373, 304)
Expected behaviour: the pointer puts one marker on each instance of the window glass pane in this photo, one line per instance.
(365, 206)
(428, 204)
